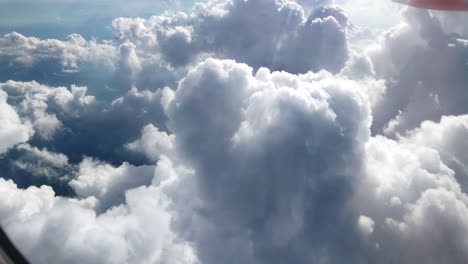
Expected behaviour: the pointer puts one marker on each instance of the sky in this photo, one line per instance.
(233, 131)
(57, 18)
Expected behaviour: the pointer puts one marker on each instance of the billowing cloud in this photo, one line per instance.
(70, 53)
(449, 138)
(425, 69)
(301, 192)
(265, 199)
(415, 199)
(240, 132)
(43, 225)
(153, 143)
(280, 38)
(38, 104)
(13, 130)
(108, 184)
(108, 68)
(76, 124)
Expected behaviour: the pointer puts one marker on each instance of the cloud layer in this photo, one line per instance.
(239, 132)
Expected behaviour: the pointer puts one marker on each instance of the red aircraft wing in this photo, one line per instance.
(449, 5)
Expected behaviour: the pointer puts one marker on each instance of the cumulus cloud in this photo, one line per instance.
(108, 184)
(239, 132)
(280, 37)
(301, 192)
(108, 68)
(43, 225)
(265, 199)
(153, 143)
(37, 103)
(415, 201)
(129, 63)
(71, 53)
(449, 138)
(425, 71)
(41, 162)
(13, 130)
(77, 124)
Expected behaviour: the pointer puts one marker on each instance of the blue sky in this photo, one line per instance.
(57, 18)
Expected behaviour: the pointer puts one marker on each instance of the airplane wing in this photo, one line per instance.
(448, 5)
(8, 252)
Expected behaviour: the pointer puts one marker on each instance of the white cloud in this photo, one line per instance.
(366, 225)
(71, 53)
(280, 38)
(414, 199)
(236, 162)
(40, 104)
(268, 167)
(51, 229)
(424, 67)
(450, 139)
(108, 184)
(153, 143)
(41, 162)
(13, 130)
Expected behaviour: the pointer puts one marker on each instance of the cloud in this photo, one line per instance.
(366, 225)
(77, 124)
(35, 102)
(108, 184)
(449, 138)
(414, 199)
(13, 130)
(43, 225)
(129, 63)
(41, 162)
(264, 200)
(239, 132)
(281, 38)
(153, 143)
(71, 53)
(109, 69)
(424, 68)
(314, 186)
